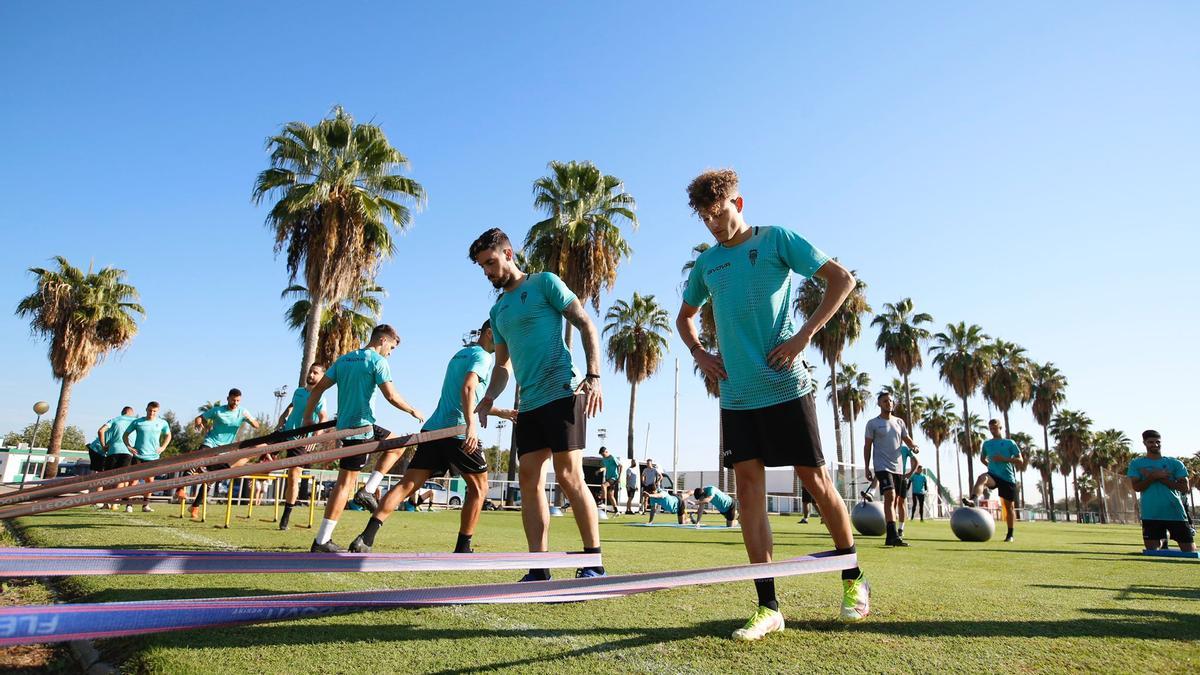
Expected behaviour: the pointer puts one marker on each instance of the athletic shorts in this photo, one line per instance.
(117, 461)
(357, 462)
(139, 460)
(1180, 530)
(1006, 489)
(97, 461)
(806, 496)
(890, 482)
(784, 434)
(559, 425)
(438, 457)
(302, 450)
(731, 514)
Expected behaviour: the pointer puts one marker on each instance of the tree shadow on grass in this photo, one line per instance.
(1173, 592)
(1103, 623)
(1040, 551)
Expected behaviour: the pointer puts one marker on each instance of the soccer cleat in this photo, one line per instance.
(102, 506)
(146, 508)
(588, 573)
(195, 513)
(366, 500)
(856, 599)
(866, 496)
(529, 576)
(284, 520)
(968, 502)
(804, 521)
(765, 620)
(327, 547)
(1008, 539)
(357, 546)
(129, 508)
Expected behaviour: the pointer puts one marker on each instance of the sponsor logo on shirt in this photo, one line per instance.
(524, 294)
(718, 268)
(753, 257)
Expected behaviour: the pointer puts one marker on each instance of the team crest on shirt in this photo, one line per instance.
(753, 257)
(524, 294)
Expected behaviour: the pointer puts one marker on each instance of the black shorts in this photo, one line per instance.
(1179, 530)
(559, 425)
(438, 457)
(117, 462)
(731, 514)
(1006, 489)
(784, 434)
(806, 496)
(97, 461)
(889, 482)
(302, 450)
(357, 462)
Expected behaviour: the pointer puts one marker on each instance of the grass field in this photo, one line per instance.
(1062, 597)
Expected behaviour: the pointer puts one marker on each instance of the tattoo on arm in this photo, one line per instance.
(587, 332)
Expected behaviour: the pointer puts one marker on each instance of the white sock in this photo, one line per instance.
(325, 530)
(374, 481)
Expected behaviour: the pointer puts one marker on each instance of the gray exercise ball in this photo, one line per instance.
(868, 519)
(972, 524)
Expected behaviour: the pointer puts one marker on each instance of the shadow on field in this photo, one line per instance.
(1174, 592)
(1104, 623)
(1042, 551)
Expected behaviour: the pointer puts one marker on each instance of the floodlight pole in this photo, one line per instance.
(675, 461)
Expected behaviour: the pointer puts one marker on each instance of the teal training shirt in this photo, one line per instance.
(720, 500)
(1160, 502)
(666, 503)
(1003, 447)
(299, 401)
(612, 467)
(905, 455)
(117, 426)
(147, 435)
(529, 320)
(225, 424)
(750, 286)
(449, 412)
(96, 447)
(357, 374)
(918, 483)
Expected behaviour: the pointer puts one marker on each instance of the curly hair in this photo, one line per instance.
(493, 238)
(709, 191)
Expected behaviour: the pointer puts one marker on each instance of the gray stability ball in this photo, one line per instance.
(972, 524)
(868, 519)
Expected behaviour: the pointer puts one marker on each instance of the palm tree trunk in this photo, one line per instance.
(958, 470)
(1075, 483)
(1046, 443)
(908, 422)
(510, 493)
(837, 428)
(1067, 499)
(1103, 504)
(54, 447)
(937, 460)
(1050, 485)
(632, 406)
(969, 435)
(312, 331)
(850, 427)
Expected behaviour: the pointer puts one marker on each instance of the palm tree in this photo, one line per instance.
(852, 394)
(1047, 392)
(1192, 464)
(636, 343)
(1109, 447)
(339, 187)
(1072, 430)
(1008, 383)
(1046, 463)
(843, 329)
(85, 316)
(345, 325)
(936, 421)
(970, 445)
(901, 337)
(580, 239)
(1025, 443)
(963, 356)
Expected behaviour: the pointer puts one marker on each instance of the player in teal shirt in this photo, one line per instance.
(527, 320)
(1161, 480)
(667, 503)
(357, 375)
(721, 503)
(115, 453)
(919, 483)
(610, 481)
(466, 376)
(225, 420)
(768, 412)
(1003, 459)
(148, 437)
(292, 418)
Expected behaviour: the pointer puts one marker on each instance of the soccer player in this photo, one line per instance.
(1161, 481)
(768, 415)
(667, 503)
(651, 480)
(887, 439)
(291, 419)
(226, 421)
(148, 437)
(611, 479)
(1003, 459)
(357, 375)
(527, 321)
(721, 503)
(466, 376)
(111, 435)
(806, 500)
(919, 483)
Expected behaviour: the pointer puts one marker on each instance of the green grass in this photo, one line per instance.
(1062, 597)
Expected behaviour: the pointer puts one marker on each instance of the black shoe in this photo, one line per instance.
(284, 520)
(804, 521)
(327, 547)
(898, 542)
(1008, 539)
(968, 502)
(366, 500)
(866, 496)
(357, 546)
(470, 550)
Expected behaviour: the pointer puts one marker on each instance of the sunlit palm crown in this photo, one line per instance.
(636, 339)
(901, 335)
(938, 419)
(84, 315)
(977, 435)
(963, 357)
(1048, 391)
(853, 388)
(1009, 380)
(846, 325)
(338, 188)
(580, 240)
(1109, 448)
(1073, 432)
(345, 326)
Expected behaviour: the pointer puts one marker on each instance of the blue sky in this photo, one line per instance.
(1028, 167)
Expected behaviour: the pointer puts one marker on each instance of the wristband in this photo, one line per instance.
(591, 376)
(694, 348)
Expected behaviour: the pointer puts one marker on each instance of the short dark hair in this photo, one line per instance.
(994, 421)
(603, 449)
(126, 410)
(152, 404)
(486, 325)
(882, 394)
(493, 238)
(698, 493)
(235, 392)
(1150, 433)
(384, 330)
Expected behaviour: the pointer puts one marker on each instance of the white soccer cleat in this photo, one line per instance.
(765, 620)
(856, 599)
(128, 508)
(146, 509)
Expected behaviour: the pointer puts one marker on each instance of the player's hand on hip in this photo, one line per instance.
(783, 356)
(471, 442)
(711, 364)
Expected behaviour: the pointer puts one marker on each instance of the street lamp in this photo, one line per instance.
(500, 424)
(280, 394)
(40, 408)
(603, 434)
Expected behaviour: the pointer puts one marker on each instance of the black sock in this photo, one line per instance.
(1010, 531)
(539, 575)
(891, 531)
(594, 549)
(287, 509)
(766, 593)
(463, 545)
(368, 534)
(852, 573)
